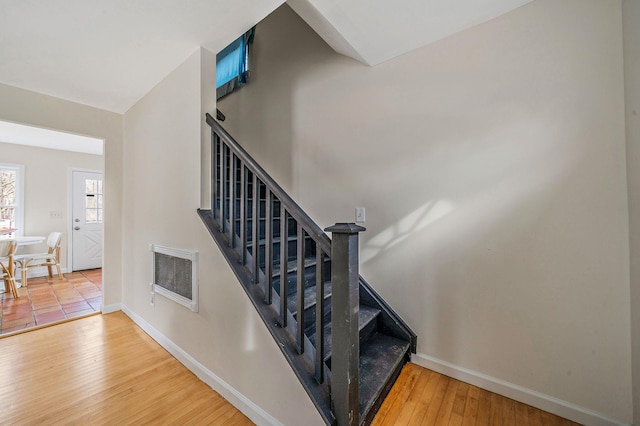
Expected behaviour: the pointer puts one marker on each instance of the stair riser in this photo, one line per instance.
(292, 279)
(310, 316)
(365, 334)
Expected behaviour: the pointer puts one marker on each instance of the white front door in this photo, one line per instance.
(87, 217)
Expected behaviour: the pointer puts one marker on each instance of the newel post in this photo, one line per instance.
(345, 303)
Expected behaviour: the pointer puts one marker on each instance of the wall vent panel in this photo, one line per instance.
(175, 275)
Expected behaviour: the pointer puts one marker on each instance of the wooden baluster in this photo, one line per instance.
(320, 278)
(242, 237)
(268, 258)
(232, 199)
(223, 186)
(255, 229)
(300, 248)
(284, 254)
(214, 173)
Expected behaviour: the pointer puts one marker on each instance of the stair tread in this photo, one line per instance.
(379, 357)
(366, 314)
(292, 265)
(309, 298)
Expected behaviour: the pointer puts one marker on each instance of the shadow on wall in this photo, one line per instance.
(420, 218)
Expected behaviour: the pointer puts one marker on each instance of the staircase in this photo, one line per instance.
(302, 284)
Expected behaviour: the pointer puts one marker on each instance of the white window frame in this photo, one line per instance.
(19, 206)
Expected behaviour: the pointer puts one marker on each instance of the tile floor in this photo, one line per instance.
(47, 300)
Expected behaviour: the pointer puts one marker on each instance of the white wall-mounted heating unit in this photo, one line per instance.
(175, 275)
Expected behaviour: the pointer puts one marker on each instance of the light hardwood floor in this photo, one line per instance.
(101, 370)
(104, 370)
(424, 397)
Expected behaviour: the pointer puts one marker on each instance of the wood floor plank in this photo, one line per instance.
(521, 415)
(535, 416)
(461, 399)
(470, 415)
(405, 390)
(412, 402)
(497, 411)
(509, 417)
(459, 404)
(444, 414)
(434, 400)
(391, 397)
(102, 370)
(484, 408)
(424, 400)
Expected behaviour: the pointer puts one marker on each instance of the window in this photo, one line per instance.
(93, 201)
(232, 65)
(11, 192)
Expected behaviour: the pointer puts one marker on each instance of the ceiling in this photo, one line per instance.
(108, 54)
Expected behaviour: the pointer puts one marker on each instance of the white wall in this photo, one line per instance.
(162, 160)
(25, 107)
(46, 188)
(492, 166)
(631, 27)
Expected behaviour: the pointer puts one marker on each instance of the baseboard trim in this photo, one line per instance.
(539, 400)
(238, 400)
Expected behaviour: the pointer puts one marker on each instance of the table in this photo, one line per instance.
(26, 241)
(20, 241)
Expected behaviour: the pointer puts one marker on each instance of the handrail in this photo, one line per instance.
(249, 218)
(314, 231)
(227, 158)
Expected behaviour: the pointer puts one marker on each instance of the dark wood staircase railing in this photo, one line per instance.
(345, 344)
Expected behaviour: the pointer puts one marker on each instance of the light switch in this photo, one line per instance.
(359, 214)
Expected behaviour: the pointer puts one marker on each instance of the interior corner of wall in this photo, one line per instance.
(326, 30)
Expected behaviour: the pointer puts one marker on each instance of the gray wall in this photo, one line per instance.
(492, 166)
(631, 26)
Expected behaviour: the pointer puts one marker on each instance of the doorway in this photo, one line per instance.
(87, 216)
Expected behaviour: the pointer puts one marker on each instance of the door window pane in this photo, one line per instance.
(93, 201)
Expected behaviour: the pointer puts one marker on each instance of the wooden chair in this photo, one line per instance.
(7, 267)
(49, 259)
